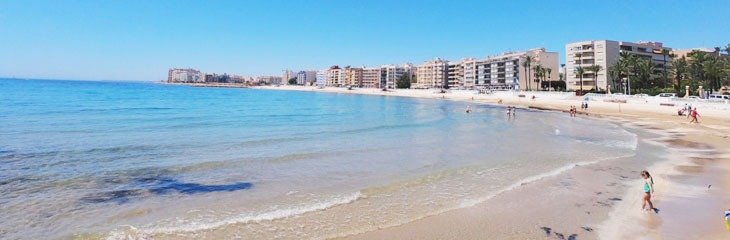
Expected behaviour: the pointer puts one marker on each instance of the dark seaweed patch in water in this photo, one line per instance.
(161, 186)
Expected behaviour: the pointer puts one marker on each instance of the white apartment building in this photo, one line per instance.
(335, 77)
(605, 53)
(506, 71)
(391, 73)
(306, 78)
(432, 74)
(184, 75)
(322, 77)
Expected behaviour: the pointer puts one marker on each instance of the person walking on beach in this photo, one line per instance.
(648, 191)
(694, 116)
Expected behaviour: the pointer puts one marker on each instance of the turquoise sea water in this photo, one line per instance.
(121, 159)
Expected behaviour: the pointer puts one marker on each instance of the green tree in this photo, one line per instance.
(547, 77)
(526, 65)
(580, 71)
(595, 69)
(292, 81)
(403, 82)
(538, 75)
(665, 53)
(713, 71)
(679, 73)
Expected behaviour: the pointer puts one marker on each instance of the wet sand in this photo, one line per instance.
(690, 164)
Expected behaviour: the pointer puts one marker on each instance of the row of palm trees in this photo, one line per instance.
(637, 73)
(541, 73)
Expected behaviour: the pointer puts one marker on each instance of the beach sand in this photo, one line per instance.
(601, 200)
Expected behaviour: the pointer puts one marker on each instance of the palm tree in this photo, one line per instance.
(679, 71)
(645, 70)
(538, 75)
(713, 70)
(727, 49)
(632, 68)
(595, 69)
(665, 53)
(580, 70)
(549, 71)
(526, 65)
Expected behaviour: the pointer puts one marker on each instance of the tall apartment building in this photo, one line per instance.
(391, 73)
(432, 74)
(371, 77)
(455, 75)
(353, 77)
(605, 53)
(335, 77)
(322, 77)
(506, 71)
(184, 75)
(306, 77)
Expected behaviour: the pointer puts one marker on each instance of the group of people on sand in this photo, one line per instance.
(690, 112)
(573, 111)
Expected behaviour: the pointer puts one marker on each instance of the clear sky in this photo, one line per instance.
(140, 40)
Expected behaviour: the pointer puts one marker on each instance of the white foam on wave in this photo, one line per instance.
(131, 232)
(472, 202)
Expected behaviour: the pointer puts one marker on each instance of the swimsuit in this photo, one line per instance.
(646, 186)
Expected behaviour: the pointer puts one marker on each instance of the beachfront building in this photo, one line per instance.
(184, 75)
(605, 53)
(322, 77)
(371, 77)
(306, 78)
(679, 53)
(391, 73)
(353, 76)
(432, 74)
(455, 75)
(506, 71)
(286, 75)
(268, 80)
(335, 76)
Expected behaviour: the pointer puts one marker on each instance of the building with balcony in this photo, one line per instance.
(432, 74)
(371, 77)
(306, 78)
(605, 53)
(506, 72)
(335, 76)
(184, 75)
(353, 76)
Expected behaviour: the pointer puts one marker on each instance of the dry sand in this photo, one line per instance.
(600, 200)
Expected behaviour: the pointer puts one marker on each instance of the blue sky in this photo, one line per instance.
(140, 40)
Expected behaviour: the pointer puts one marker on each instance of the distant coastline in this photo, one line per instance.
(215, 85)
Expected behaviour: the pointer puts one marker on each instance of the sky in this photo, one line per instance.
(140, 40)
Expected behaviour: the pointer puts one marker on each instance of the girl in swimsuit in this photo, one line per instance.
(648, 190)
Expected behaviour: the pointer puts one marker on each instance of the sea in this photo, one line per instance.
(139, 160)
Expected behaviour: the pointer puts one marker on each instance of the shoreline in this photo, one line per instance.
(602, 220)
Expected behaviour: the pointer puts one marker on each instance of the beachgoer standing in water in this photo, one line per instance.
(648, 190)
(468, 109)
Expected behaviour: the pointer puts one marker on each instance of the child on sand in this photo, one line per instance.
(648, 190)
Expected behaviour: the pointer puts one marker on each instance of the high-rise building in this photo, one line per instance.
(306, 78)
(389, 74)
(353, 76)
(506, 71)
(371, 77)
(322, 77)
(335, 77)
(432, 74)
(184, 75)
(606, 53)
(455, 75)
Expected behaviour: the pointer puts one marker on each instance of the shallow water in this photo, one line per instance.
(111, 159)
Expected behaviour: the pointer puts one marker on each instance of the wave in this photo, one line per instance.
(132, 232)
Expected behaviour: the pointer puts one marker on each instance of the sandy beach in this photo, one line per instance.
(598, 200)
